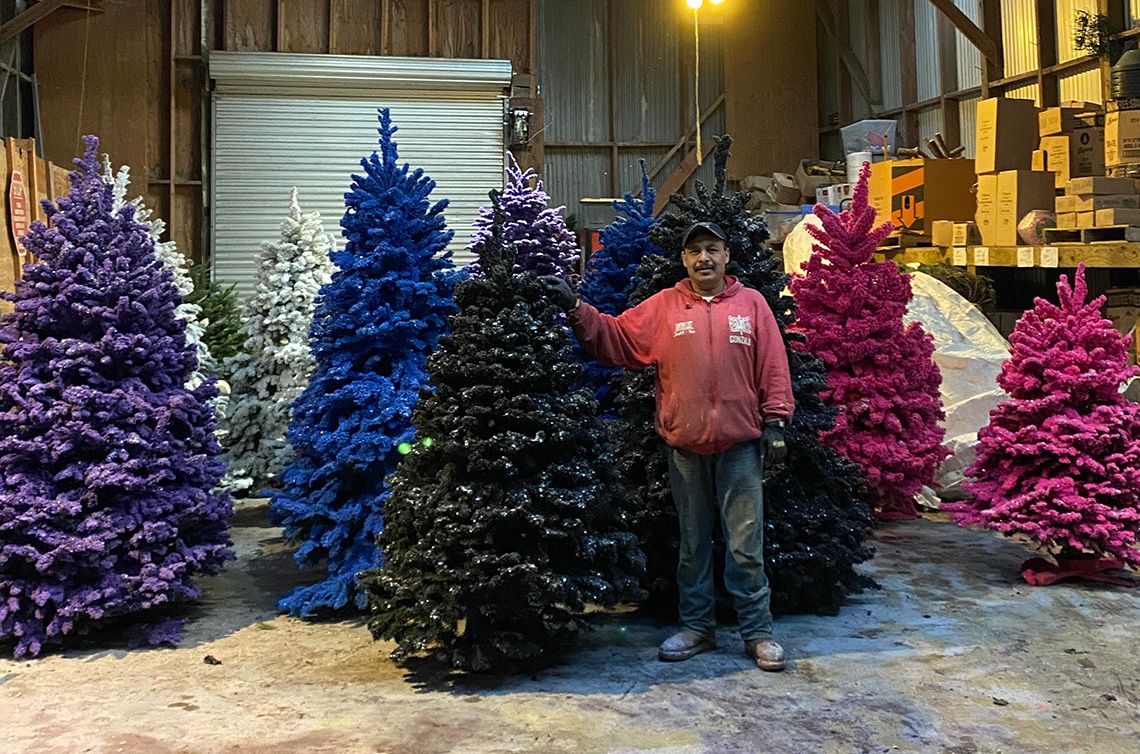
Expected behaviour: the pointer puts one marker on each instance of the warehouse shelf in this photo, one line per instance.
(1105, 255)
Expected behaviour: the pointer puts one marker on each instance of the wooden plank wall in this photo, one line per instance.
(773, 118)
(134, 73)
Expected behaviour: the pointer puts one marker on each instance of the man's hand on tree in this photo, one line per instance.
(559, 292)
(775, 448)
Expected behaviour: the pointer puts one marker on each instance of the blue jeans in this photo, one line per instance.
(728, 482)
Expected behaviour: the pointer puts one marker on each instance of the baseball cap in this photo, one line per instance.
(710, 228)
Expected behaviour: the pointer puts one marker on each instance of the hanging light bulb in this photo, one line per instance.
(694, 4)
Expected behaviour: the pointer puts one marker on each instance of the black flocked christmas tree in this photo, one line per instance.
(817, 512)
(500, 527)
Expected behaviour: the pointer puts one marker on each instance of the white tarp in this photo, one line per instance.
(969, 352)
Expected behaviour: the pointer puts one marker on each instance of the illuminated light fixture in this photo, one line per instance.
(694, 4)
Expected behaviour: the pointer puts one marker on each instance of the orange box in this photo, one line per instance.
(912, 194)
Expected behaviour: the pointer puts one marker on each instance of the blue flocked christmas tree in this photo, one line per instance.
(611, 274)
(373, 328)
(109, 464)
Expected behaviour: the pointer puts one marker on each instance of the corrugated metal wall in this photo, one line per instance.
(929, 123)
(1019, 36)
(926, 43)
(857, 38)
(889, 46)
(1082, 86)
(1066, 25)
(969, 59)
(651, 37)
(1029, 91)
(968, 123)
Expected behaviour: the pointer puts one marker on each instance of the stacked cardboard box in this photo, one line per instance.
(1072, 141)
(1008, 186)
(1097, 201)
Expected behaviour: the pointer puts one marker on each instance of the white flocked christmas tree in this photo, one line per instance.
(175, 261)
(276, 363)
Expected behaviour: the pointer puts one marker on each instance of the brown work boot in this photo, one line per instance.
(684, 644)
(767, 653)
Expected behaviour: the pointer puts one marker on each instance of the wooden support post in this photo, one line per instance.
(948, 81)
(908, 70)
(615, 101)
(969, 29)
(992, 70)
(840, 32)
(836, 22)
(873, 54)
(1113, 10)
(1048, 85)
(25, 19)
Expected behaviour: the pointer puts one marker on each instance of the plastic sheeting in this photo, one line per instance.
(969, 352)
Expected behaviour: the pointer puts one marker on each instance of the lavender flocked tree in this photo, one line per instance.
(537, 230)
(881, 373)
(1059, 461)
(373, 328)
(108, 461)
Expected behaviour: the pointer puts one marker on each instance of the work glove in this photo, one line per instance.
(775, 448)
(559, 292)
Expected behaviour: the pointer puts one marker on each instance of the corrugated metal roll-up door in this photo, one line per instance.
(284, 120)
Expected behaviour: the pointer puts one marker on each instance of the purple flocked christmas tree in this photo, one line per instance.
(109, 464)
(1059, 461)
(880, 371)
(538, 231)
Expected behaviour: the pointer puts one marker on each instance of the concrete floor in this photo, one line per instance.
(956, 655)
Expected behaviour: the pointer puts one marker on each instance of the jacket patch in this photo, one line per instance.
(684, 328)
(740, 327)
(740, 323)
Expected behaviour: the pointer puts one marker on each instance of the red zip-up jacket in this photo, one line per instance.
(722, 371)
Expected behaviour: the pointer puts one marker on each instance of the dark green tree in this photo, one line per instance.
(817, 512)
(501, 525)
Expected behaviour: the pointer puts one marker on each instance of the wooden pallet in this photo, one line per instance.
(1107, 234)
(905, 241)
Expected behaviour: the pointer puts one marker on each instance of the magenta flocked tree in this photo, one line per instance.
(538, 231)
(881, 374)
(1059, 461)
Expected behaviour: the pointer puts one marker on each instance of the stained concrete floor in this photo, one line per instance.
(955, 655)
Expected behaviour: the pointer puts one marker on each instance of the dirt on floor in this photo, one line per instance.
(954, 655)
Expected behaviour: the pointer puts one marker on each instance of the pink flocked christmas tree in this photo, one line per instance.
(881, 374)
(1059, 461)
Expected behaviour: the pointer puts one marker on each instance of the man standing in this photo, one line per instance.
(724, 397)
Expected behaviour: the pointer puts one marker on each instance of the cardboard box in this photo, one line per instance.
(1018, 192)
(1075, 155)
(1122, 137)
(1006, 134)
(784, 190)
(1086, 219)
(1118, 217)
(965, 234)
(1100, 185)
(986, 216)
(810, 184)
(1040, 159)
(1070, 203)
(1059, 120)
(943, 233)
(1066, 219)
(912, 194)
